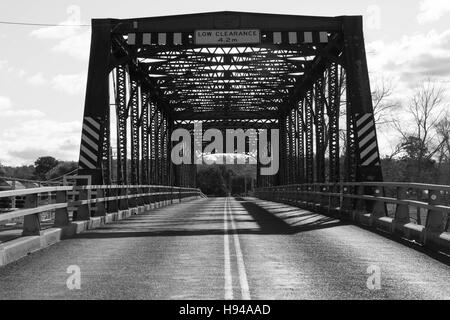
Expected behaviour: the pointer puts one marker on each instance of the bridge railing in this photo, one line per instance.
(82, 203)
(415, 211)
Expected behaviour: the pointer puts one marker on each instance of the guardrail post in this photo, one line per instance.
(162, 200)
(334, 201)
(347, 202)
(401, 216)
(100, 205)
(151, 190)
(379, 207)
(146, 191)
(310, 197)
(360, 205)
(156, 197)
(61, 214)
(132, 201)
(31, 222)
(123, 203)
(113, 204)
(325, 199)
(147, 199)
(162, 196)
(83, 211)
(316, 198)
(435, 222)
(141, 199)
(300, 196)
(293, 195)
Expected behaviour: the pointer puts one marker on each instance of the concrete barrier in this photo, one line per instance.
(21, 247)
(96, 222)
(18, 248)
(50, 236)
(444, 242)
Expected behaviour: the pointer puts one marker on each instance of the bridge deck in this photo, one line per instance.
(270, 251)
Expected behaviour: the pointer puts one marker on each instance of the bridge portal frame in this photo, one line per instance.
(300, 112)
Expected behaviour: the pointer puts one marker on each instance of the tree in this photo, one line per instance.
(443, 154)
(22, 172)
(211, 180)
(43, 165)
(419, 143)
(61, 169)
(443, 134)
(383, 104)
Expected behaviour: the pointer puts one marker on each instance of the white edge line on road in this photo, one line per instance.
(240, 260)
(226, 247)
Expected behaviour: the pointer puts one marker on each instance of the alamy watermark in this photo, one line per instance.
(259, 145)
(374, 280)
(74, 280)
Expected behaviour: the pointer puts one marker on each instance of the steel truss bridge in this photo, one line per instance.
(158, 78)
(300, 236)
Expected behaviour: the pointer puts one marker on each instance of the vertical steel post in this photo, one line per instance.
(320, 129)
(360, 109)
(121, 116)
(333, 122)
(133, 107)
(309, 157)
(94, 148)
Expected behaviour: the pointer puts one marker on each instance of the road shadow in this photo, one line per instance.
(290, 221)
(270, 223)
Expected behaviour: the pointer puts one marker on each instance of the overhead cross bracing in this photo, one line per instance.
(233, 82)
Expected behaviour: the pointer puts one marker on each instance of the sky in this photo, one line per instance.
(43, 70)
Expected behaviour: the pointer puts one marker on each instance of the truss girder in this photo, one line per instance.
(121, 116)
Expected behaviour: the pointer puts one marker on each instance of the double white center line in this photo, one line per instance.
(245, 292)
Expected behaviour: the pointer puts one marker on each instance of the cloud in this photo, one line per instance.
(8, 110)
(67, 28)
(72, 35)
(36, 80)
(3, 63)
(28, 154)
(5, 103)
(70, 83)
(77, 46)
(412, 58)
(21, 73)
(432, 10)
(24, 143)
(62, 31)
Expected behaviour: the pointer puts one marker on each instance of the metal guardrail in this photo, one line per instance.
(88, 201)
(417, 211)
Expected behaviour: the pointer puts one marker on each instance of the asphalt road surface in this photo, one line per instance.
(227, 248)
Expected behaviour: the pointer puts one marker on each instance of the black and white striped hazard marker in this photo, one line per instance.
(90, 139)
(185, 38)
(367, 140)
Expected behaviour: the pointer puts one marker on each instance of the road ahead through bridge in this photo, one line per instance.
(228, 248)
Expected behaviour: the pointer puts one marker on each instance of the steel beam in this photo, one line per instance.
(360, 109)
(121, 117)
(309, 137)
(319, 102)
